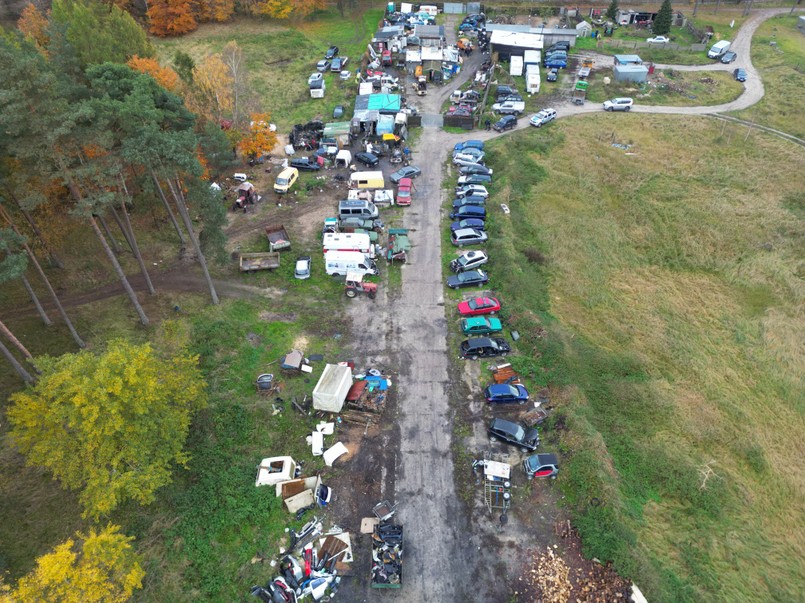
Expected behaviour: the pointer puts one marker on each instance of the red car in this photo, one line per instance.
(479, 305)
(404, 191)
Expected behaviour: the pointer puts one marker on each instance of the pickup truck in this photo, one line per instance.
(250, 262)
(278, 239)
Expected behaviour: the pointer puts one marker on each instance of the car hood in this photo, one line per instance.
(531, 438)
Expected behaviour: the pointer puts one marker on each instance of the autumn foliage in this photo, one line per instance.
(286, 9)
(34, 25)
(215, 10)
(101, 567)
(110, 425)
(260, 139)
(164, 76)
(171, 17)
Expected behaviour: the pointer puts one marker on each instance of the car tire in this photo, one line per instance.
(493, 439)
(525, 450)
(473, 357)
(627, 109)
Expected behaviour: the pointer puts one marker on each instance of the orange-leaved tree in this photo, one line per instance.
(171, 17)
(34, 25)
(287, 9)
(214, 10)
(259, 139)
(164, 76)
(101, 567)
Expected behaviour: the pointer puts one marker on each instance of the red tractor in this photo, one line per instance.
(355, 286)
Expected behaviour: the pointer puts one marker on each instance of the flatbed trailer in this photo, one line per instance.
(251, 262)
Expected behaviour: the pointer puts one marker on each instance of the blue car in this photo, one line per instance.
(468, 144)
(506, 393)
(475, 223)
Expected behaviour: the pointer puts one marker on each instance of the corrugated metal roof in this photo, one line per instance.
(627, 58)
(429, 31)
(516, 40)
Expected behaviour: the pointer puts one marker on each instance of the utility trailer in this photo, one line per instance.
(278, 239)
(251, 262)
(579, 93)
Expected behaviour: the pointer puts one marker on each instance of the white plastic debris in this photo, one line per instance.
(335, 451)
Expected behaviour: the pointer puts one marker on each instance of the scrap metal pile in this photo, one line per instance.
(310, 568)
(387, 549)
(307, 136)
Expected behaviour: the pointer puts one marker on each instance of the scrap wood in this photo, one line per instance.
(546, 578)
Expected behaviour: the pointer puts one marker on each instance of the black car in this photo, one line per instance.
(307, 164)
(471, 278)
(477, 168)
(552, 75)
(474, 179)
(507, 122)
(476, 223)
(469, 212)
(484, 347)
(563, 45)
(514, 433)
(338, 112)
(367, 159)
(469, 200)
(331, 53)
(739, 74)
(515, 98)
(504, 91)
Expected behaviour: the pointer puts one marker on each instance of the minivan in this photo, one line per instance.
(718, 49)
(357, 208)
(285, 180)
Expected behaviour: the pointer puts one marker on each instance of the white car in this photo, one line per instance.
(542, 118)
(315, 77)
(467, 158)
(509, 107)
(618, 104)
(475, 190)
(659, 40)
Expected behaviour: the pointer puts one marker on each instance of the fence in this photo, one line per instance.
(635, 45)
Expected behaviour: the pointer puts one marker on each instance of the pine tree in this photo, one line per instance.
(662, 24)
(612, 11)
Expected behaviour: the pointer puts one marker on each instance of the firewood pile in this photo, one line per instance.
(546, 579)
(549, 579)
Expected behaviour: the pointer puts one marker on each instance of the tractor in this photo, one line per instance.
(355, 286)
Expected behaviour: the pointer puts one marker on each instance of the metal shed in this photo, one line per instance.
(628, 59)
(631, 73)
(508, 44)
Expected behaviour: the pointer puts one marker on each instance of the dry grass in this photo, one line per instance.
(689, 269)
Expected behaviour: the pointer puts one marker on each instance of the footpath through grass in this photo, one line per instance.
(778, 52)
(280, 58)
(662, 303)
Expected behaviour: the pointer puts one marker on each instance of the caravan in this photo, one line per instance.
(348, 241)
(366, 180)
(341, 262)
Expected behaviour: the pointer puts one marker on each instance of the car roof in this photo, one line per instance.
(504, 425)
(480, 341)
(501, 387)
(466, 231)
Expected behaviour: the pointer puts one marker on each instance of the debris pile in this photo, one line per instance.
(547, 578)
(387, 541)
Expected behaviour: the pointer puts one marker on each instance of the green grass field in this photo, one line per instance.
(671, 300)
(778, 52)
(280, 59)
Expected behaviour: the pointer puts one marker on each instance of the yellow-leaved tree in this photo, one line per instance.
(100, 567)
(212, 95)
(34, 25)
(288, 9)
(164, 76)
(110, 425)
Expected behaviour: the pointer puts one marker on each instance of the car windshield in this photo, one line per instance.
(518, 433)
(282, 181)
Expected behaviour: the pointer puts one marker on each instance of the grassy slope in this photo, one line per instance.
(782, 68)
(280, 59)
(673, 309)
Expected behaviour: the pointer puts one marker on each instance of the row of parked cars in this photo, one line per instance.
(478, 320)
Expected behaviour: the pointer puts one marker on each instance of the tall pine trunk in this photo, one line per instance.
(17, 343)
(176, 191)
(167, 205)
(119, 271)
(110, 238)
(132, 239)
(54, 260)
(45, 280)
(24, 375)
(34, 298)
(76, 194)
(122, 227)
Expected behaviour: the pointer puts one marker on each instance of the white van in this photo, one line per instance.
(366, 180)
(341, 262)
(718, 49)
(348, 241)
(357, 208)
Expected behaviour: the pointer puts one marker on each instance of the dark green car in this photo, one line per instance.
(480, 325)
